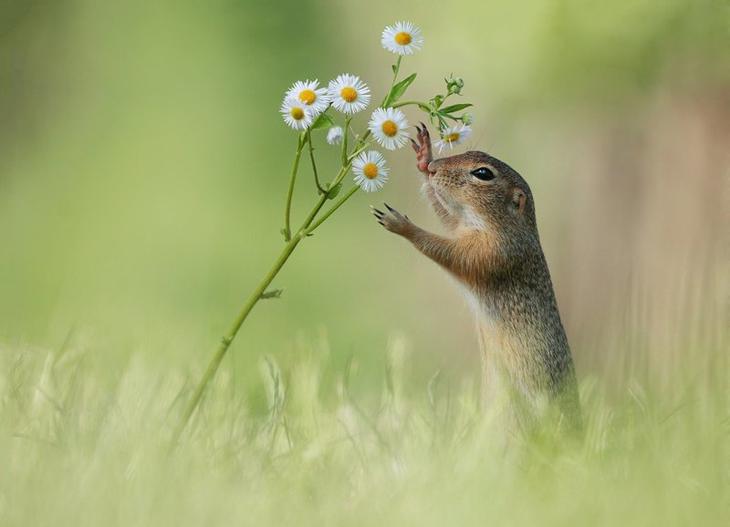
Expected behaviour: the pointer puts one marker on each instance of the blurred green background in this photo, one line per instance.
(143, 170)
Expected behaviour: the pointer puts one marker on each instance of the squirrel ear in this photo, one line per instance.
(519, 199)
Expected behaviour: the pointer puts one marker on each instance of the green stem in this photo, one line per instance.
(362, 144)
(313, 214)
(232, 332)
(422, 105)
(260, 290)
(392, 82)
(396, 70)
(314, 165)
(344, 139)
(332, 209)
(356, 153)
(290, 193)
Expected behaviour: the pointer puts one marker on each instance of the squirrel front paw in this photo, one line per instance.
(393, 220)
(424, 154)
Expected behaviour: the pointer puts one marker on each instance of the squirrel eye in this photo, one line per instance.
(483, 173)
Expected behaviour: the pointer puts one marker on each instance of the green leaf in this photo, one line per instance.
(273, 293)
(332, 192)
(393, 67)
(455, 108)
(323, 121)
(398, 90)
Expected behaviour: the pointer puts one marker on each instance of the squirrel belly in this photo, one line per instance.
(525, 357)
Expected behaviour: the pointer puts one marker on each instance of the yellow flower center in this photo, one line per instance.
(370, 170)
(452, 137)
(389, 128)
(307, 96)
(403, 38)
(297, 113)
(348, 93)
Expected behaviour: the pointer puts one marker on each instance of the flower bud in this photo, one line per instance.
(335, 135)
(454, 85)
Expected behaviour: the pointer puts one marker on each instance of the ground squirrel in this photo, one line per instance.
(494, 252)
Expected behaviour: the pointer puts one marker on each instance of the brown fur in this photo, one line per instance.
(493, 250)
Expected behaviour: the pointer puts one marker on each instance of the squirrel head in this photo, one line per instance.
(484, 192)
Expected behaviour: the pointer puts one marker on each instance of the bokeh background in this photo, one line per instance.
(143, 170)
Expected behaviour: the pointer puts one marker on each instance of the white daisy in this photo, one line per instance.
(389, 127)
(334, 135)
(402, 38)
(453, 135)
(296, 114)
(370, 171)
(348, 93)
(310, 94)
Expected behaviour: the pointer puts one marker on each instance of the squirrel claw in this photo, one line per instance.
(393, 221)
(379, 214)
(422, 147)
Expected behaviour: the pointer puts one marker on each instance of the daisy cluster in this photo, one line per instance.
(306, 103)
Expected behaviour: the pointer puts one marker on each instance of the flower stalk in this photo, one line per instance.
(306, 108)
(286, 231)
(320, 190)
(332, 209)
(259, 291)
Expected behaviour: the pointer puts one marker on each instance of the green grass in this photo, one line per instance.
(83, 442)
